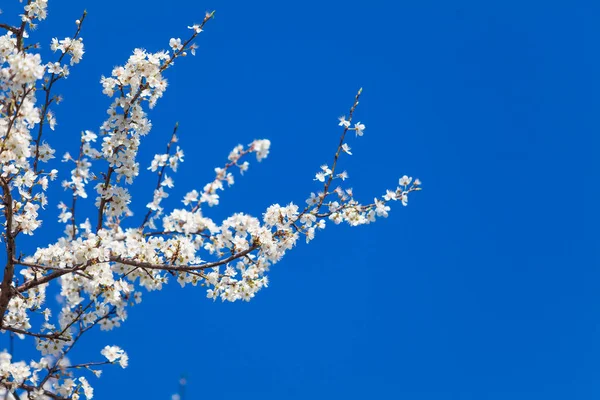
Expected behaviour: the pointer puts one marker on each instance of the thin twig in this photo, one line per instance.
(161, 172)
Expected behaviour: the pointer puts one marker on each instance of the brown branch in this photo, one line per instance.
(90, 364)
(182, 268)
(75, 196)
(9, 270)
(335, 160)
(176, 54)
(53, 396)
(339, 150)
(134, 263)
(81, 311)
(38, 266)
(9, 28)
(38, 335)
(21, 32)
(51, 276)
(160, 233)
(103, 200)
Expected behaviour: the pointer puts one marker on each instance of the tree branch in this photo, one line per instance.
(9, 28)
(9, 269)
(38, 335)
(182, 268)
(161, 172)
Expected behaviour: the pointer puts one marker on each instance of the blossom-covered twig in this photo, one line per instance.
(101, 272)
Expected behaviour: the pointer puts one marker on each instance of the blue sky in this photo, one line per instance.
(485, 287)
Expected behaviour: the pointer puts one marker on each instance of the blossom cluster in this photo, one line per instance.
(104, 261)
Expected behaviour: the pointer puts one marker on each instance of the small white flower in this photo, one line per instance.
(114, 353)
(196, 28)
(175, 44)
(405, 181)
(359, 128)
(343, 121)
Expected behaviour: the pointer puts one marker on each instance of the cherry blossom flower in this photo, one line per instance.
(343, 121)
(359, 128)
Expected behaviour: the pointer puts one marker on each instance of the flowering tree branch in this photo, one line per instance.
(104, 261)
